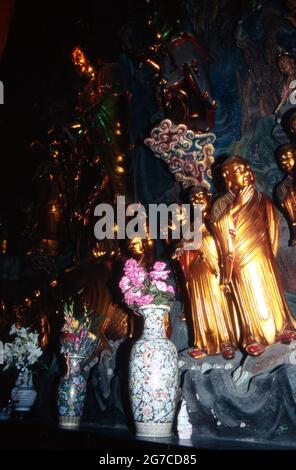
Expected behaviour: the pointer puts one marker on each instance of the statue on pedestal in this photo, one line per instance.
(212, 309)
(286, 189)
(245, 226)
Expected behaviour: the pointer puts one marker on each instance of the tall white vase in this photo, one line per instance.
(153, 376)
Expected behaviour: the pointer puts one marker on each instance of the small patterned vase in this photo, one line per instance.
(153, 376)
(72, 392)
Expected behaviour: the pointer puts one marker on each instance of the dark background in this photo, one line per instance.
(39, 83)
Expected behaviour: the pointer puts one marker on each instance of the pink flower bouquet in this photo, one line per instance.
(140, 287)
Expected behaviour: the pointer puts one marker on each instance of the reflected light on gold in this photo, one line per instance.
(3, 246)
(136, 246)
(81, 63)
(154, 64)
(119, 170)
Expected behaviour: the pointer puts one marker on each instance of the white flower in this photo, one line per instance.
(23, 351)
(12, 330)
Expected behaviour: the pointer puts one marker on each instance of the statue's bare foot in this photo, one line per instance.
(288, 335)
(227, 351)
(255, 349)
(197, 353)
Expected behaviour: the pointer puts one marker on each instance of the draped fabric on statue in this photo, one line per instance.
(264, 312)
(213, 313)
(6, 13)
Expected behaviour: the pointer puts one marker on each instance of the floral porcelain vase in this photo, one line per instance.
(153, 376)
(23, 394)
(72, 392)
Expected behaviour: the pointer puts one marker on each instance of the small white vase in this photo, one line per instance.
(184, 427)
(153, 376)
(23, 394)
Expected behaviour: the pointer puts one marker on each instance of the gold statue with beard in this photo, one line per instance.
(212, 309)
(286, 189)
(245, 226)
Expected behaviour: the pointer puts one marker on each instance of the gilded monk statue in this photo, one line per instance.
(245, 226)
(286, 189)
(213, 313)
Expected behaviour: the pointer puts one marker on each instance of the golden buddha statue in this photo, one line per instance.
(286, 189)
(245, 226)
(213, 313)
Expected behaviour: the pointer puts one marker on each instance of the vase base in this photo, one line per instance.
(154, 429)
(69, 421)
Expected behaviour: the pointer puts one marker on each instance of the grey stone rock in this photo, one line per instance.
(254, 398)
(208, 363)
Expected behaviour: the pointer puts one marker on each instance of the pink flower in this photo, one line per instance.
(159, 272)
(129, 298)
(131, 265)
(160, 285)
(159, 276)
(139, 277)
(159, 266)
(134, 272)
(132, 297)
(146, 299)
(170, 289)
(135, 286)
(125, 284)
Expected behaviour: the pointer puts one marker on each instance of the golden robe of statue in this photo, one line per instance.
(245, 225)
(211, 307)
(286, 189)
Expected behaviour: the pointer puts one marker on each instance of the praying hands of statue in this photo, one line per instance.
(225, 288)
(242, 197)
(179, 251)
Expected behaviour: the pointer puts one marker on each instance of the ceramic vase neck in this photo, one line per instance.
(154, 321)
(74, 363)
(25, 378)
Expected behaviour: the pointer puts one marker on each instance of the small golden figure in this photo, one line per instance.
(211, 307)
(286, 189)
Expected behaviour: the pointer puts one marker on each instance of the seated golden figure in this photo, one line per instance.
(245, 226)
(213, 313)
(286, 189)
